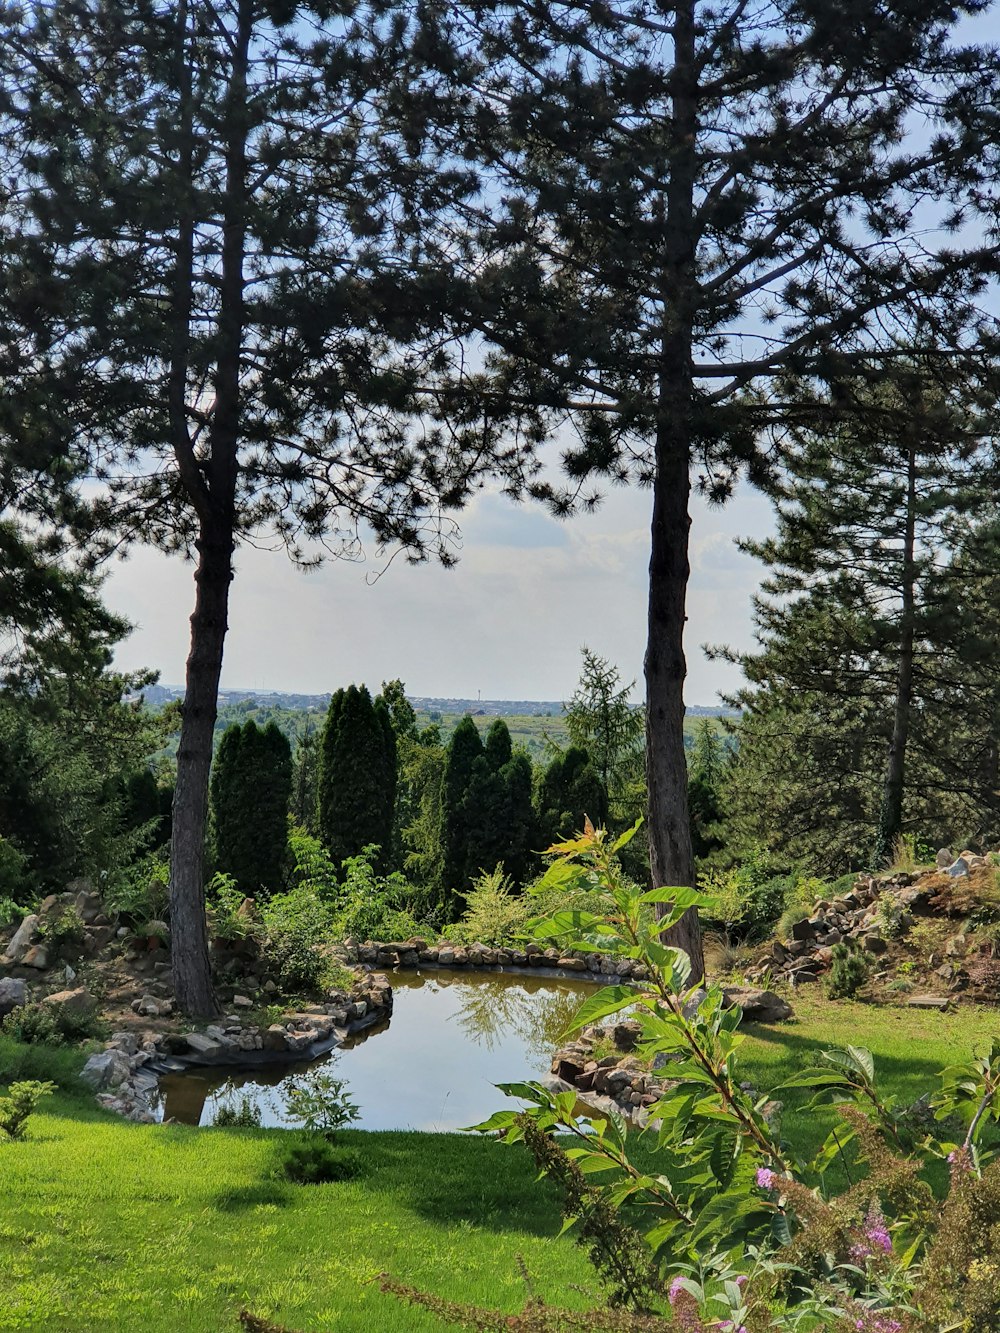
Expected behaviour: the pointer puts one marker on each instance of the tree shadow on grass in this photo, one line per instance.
(267, 1193)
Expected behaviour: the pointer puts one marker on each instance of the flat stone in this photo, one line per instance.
(242, 1002)
(940, 1002)
(202, 1044)
(79, 1002)
(759, 1006)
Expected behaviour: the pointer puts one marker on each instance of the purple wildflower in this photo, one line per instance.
(676, 1288)
(765, 1178)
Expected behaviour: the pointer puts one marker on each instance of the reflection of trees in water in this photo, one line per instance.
(500, 1008)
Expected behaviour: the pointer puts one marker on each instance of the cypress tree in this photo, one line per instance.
(465, 751)
(250, 791)
(357, 778)
(570, 791)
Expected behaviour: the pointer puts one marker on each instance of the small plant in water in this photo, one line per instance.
(320, 1104)
(245, 1115)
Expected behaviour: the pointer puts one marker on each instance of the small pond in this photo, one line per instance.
(452, 1036)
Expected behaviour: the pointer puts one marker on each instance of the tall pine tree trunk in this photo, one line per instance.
(670, 857)
(891, 815)
(192, 975)
(212, 485)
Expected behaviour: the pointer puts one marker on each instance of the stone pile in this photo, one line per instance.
(27, 947)
(862, 917)
(621, 1078)
(417, 952)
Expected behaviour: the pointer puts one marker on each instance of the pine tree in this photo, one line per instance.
(250, 792)
(688, 201)
(216, 250)
(357, 775)
(853, 624)
(464, 753)
(706, 773)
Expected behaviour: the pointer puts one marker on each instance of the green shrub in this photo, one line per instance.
(319, 1103)
(245, 1115)
(10, 912)
(493, 915)
(312, 866)
(788, 919)
(375, 906)
(63, 935)
(315, 1161)
(750, 897)
(19, 1104)
(893, 920)
(15, 879)
(224, 901)
(848, 973)
(141, 892)
(294, 926)
(51, 1025)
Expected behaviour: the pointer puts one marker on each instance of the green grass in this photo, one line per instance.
(166, 1229)
(910, 1046)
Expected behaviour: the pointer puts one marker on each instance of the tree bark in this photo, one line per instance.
(891, 815)
(671, 861)
(211, 483)
(192, 974)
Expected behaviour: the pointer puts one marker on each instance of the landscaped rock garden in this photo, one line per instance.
(601, 1064)
(904, 923)
(418, 952)
(77, 970)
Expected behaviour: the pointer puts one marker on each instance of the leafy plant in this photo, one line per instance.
(375, 906)
(245, 1115)
(10, 912)
(893, 919)
(142, 891)
(494, 914)
(848, 972)
(319, 1103)
(225, 899)
(750, 897)
(51, 1025)
(63, 934)
(295, 925)
(20, 1103)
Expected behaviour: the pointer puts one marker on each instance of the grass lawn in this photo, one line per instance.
(110, 1226)
(107, 1227)
(910, 1046)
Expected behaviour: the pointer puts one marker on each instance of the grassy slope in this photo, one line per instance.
(121, 1228)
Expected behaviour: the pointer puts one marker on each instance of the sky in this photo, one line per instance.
(507, 622)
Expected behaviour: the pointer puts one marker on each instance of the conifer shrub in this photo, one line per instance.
(494, 914)
(848, 972)
(20, 1103)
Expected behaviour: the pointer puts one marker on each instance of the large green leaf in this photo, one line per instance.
(608, 1000)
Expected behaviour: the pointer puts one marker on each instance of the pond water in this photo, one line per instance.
(433, 1067)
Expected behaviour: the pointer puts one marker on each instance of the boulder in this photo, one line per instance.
(944, 858)
(803, 930)
(202, 1044)
(79, 1002)
(21, 941)
(958, 869)
(37, 956)
(13, 993)
(759, 1006)
(106, 1069)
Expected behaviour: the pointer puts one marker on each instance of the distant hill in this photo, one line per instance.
(157, 695)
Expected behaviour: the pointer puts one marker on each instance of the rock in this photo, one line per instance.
(958, 869)
(573, 964)
(759, 1006)
(446, 957)
(20, 943)
(242, 1002)
(625, 1036)
(106, 1069)
(940, 1002)
(803, 930)
(37, 956)
(944, 858)
(274, 1038)
(78, 1002)
(13, 993)
(202, 1044)
(778, 952)
(151, 1007)
(873, 944)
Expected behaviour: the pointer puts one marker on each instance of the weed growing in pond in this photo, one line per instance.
(243, 1116)
(320, 1104)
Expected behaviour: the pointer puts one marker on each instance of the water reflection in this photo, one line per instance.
(450, 1039)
